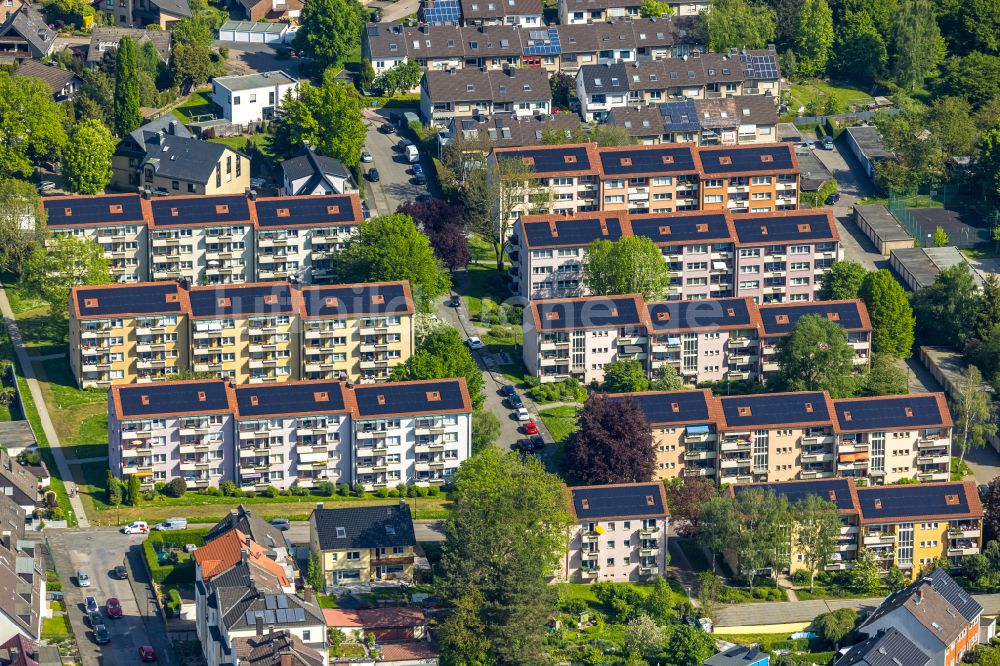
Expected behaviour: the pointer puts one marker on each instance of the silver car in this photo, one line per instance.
(82, 579)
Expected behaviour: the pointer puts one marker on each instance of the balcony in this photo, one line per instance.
(649, 533)
(698, 471)
(879, 538)
(589, 537)
(729, 463)
(848, 447)
(698, 437)
(699, 454)
(933, 476)
(817, 456)
(649, 552)
(735, 445)
(932, 442)
(589, 574)
(815, 474)
(964, 532)
(934, 459)
(961, 551)
(736, 478)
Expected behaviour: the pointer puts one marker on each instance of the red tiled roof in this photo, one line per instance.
(227, 551)
(408, 650)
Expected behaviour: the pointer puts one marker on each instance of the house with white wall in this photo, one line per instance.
(252, 98)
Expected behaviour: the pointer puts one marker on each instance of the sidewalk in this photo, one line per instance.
(43, 413)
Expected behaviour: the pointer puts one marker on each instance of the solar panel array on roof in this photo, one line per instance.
(648, 160)
(780, 319)
(290, 398)
(138, 299)
(890, 412)
(680, 116)
(543, 42)
(333, 209)
(87, 210)
(783, 229)
(442, 12)
(224, 209)
(707, 314)
(918, 499)
(837, 491)
(430, 397)
(552, 159)
(749, 159)
(242, 300)
(187, 398)
(351, 300)
(775, 409)
(760, 66)
(673, 407)
(639, 499)
(571, 231)
(682, 228)
(597, 312)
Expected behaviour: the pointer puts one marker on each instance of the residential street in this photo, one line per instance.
(395, 175)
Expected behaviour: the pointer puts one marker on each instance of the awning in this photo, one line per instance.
(250, 475)
(718, 265)
(697, 429)
(631, 349)
(673, 341)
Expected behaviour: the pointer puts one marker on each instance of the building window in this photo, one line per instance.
(174, 185)
(236, 100)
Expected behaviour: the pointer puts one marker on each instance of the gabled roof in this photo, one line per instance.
(561, 160)
(920, 501)
(103, 37)
(748, 160)
(638, 121)
(19, 650)
(184, 157)
(292, 399)
(276, 648)
(893, 412)
(618, 501)
(364, 527)
(589, 312)
(29, 24)
(131, 300)
(13, 474)
(326, 210)
(317, 167)
(780, 318)
(508, 130)
(173, 7)
(473, 85)
(581, 229)
(673, 407)
(660, 159)
(56, 77)
(801, 409)
(249, 523)
(840, 491)
(244, 300)
(228, 550)
(433, 396)
(94, 210)
(924, 602)
(739, 655)
(171, 399)
(354, 300)
(792, 226)
(375, 618)
(703, 315)
(480, 9)
(608, 78)
(886, 648)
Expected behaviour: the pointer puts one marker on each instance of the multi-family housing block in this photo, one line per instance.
(620, 533)
(656, 178)
(23, 604)
(738, 120)
(461, 93)
(218, 239)
(804, 435)
(598, 11)
(256, 332)
(768, 257)
(621, 82)
(910, 526)
(291, 434)
(363, 544)
(705, 340)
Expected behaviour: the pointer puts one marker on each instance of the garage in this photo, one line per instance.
(251, 32)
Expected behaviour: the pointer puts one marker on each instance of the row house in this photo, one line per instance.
(526, 13)
(249, 333)
(466, 92)
(214, 239)
(910, 526)
(709, 254)
(23, 596)
(619, 533)
(620, 82)
(778, 437)
(731, 121)
(296, 434)
(441, 45)
(572, 12)
(704, 339)
(654, 178)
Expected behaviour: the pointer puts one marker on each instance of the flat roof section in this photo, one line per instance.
(878, 218)
(290, 399)
(437, 396)
(777, 409)
(197, 210)
(171, 398)
(150, 298)
(352, 300)
(310, 210)
(869, 140)
(897, 412)
(702, 315)
(672, 406)
(589, 312)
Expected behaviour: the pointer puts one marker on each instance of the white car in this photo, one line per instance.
(366, 156)
(138, 527)
(82, 579)
(523, 415)
(475, 343)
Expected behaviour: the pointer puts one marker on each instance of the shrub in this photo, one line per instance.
(176, 488)
(230, 489)
(270, 491)
(358, 489)
(433, 491)
(421, 491)
(299, 491)
(212, 491)
(382, 492)
(342, 489)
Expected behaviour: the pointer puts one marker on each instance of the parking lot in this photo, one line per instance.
(98, 551)
(395, 174)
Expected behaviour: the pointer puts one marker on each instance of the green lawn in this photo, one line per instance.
(42, 333)
(560, 421)
(694, 554)
(959, 471)
(20, 298)
(817, 91)
(199, 103)
(55, 628)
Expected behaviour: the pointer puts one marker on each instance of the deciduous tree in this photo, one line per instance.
(485, 429)
(940, 238)
(816, 529)
(860, 50)
(402, 77)
(442, 222)
(865, 576)
(507, 185)
(686, 497)
(763, 537)
(884, 377)
(890, 313)
(842, 281)
(330, 31)
(988, 313)
(719, 523)
(654, 9)
(629, 265)
(624, 376)
(973, 413)
(974, 77)
(66, 262)
(814, 37)
(917, 43)
(127, 102)
(991, 509)
(815, 356)
(87, 157)
(946, 311)
(689, 646)
(31, 124)
(442, 355)
(738, 24)
(613, 444)
(665, 378)
(21, 224)
(836, 625)
(642, 635)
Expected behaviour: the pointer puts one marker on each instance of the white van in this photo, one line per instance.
(137, 527)
(172, 524)
(412, 154)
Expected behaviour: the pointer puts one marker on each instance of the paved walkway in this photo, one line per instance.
(47, 357)
(682, 570)
(43, 413)
(84, 461)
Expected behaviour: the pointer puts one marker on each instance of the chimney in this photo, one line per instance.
(918, 597)
(248, 542)
(286, 660)
(172, 127)
(258, 625)
(244, 555)
(307, 594)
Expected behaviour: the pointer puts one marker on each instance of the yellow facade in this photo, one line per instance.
(117, 350)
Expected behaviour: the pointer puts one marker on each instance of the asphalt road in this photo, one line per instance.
(97, 551)
(395, 175)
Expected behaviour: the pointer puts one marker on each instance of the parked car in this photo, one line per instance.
(366, 156)
(523, 415)
(138, 527)
(514, 401)
(810, 143)
(171, 524)
(373, 175)
(412, 154)
(530, 428)
(101, 634)
(120, 572)
(90, 604)
(537, 443)
(281, 523)
(387, 128)
(423, 197)
(376, 16)
(474, 343)
(507, 390)
(455, 301)
(827, 142)
(46, 185)
(419, 179)
(82, 579)
(147, 653)
(418, 170)
(523, 445)
(833, 199)
(95, 619)
(114, 608)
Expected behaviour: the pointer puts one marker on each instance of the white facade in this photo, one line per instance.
(252, 98)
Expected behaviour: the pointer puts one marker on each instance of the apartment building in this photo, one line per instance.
(204, 240)
(565, 179)
(128, 333)
(620, 533)
(116, 222)
(23, 604)
(247, 333)
(294, 434)
(683, 425)
(779, 320)
(619, 82)
(704, 339)
(357, 332)
(643, 179)
(462, 93)
(363, 544)
(742, 120)
(297, 237)
(598, 11)
(211, 239)
(749, 179)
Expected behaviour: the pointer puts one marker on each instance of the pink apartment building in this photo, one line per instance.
(778, 320)
(620, 533)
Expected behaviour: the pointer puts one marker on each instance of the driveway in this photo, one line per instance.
(396, 10)
(252, 58)
(395, 184)
(97, 551)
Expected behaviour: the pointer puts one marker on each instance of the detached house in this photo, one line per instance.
(105, 39)
(252, 98)
(461, 93)
(24, 35)
(63, 83)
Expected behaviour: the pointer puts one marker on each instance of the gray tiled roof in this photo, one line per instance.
(508, 130)
(56, 77)
(470, 85)
(364, 527)
(482, 9)
(159, 38)
(886, 648)
(31, 26)
(245, 520)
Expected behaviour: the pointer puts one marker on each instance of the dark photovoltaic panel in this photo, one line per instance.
(904, 411)
(846, 314)
(615, 501)
(145, 399)
(282, 398)
(223, 209)
(442, 12)
(783, 229)
(392, 399)
(344, 301)
(840, 489)
(138, 299)
(543, 42)
(655, 160)
(775, 409)
(554, 160)
(912, 500)
(682, 228)
(333, 209)
(571, 232)
(680, 116)
(760, 66)
(748, 159)
(240, 300)
(588, 313)
(704, 314)
(659, 408)
(107, 209)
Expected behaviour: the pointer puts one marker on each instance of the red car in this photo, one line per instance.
(530, 428)
(114, 608)
(147, 653)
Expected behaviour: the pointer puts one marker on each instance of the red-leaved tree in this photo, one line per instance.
(442, 222)
(613, 444)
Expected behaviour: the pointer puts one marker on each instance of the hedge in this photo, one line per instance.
(181, 572)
